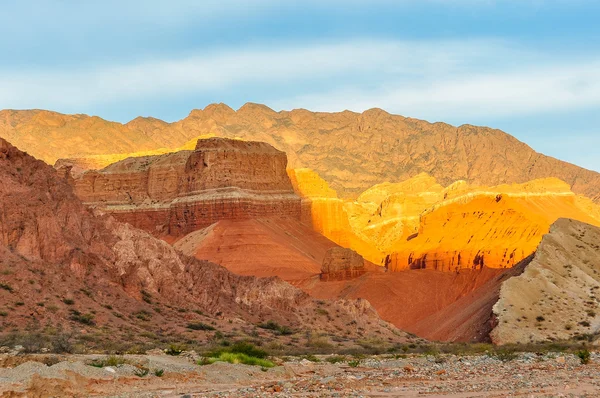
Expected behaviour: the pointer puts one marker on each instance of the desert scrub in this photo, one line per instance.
(233, 357)
(112, 360)
(175, 349)
(277, 328)
(239, 352)
(199, 326)
(584, 356)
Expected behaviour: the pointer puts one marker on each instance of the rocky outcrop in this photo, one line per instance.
(177, 193)
(341, 264)
(93, 273)
(495, 227)
(351, 151)
(417, 223)
(556, 297)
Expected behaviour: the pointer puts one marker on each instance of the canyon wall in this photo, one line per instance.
(418, 223)
(174, 194)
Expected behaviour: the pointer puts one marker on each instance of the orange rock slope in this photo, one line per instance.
(418, 223)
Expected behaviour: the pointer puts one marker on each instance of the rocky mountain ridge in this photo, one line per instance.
(351, 151)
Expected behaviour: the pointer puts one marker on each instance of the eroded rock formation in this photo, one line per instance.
(177, 193)
(92, 272)
(556, 297)
(342, 264)
(418, 223)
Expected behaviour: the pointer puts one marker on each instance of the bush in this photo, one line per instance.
(505, 355)
(232, 357)
(584, 356)
(335, 359)
(354, 364)
(112, 360)
(68, 301)
(199, 326)
(6, 287)
(159, 372)
(277, 328)
(86, 319)
(175, 349)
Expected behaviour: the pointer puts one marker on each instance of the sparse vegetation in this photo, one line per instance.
(86, 319)
(175, 349)
(277, 328)
(239, 358)
(584, 356)
(354, 363)
(199, 326)
(6, 287)
(68, 301)
(159, 372)
(112, 360)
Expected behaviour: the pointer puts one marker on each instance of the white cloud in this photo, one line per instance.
(535, 89)
(430, 79)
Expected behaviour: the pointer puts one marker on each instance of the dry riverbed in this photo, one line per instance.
(160, 375)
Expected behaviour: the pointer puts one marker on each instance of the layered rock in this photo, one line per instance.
(342, 264)
(177, 193)
(495, 227)
(93, 273)
(556, 297)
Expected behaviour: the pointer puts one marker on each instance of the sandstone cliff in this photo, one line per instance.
(351, 151)
(417, 223)
(556, 297)
(65, 265)
(177, 193)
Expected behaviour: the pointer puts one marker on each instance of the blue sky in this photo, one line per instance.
(529, 67)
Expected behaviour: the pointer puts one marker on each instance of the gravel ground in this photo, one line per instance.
(528, 375)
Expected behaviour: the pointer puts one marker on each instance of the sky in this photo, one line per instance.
(528, 67)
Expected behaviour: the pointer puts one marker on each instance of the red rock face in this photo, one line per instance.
(175, 194)
(52, 247)
(342, 264)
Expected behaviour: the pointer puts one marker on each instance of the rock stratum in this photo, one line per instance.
(64, 265)
(557, 295)
(173, 194)
(351, 151)
(418, 223)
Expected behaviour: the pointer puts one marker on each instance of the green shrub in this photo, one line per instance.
(505, 355)
(86, 319)
(584, 356)
(354, 363)
(68, 301)
(112, 360)
(232, 357)
(277, 328)
(175, 349)
(335, 359)
(159, 372)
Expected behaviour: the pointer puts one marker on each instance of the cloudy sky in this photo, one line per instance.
(529, 67)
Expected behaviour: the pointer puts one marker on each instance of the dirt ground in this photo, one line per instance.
(527, 375)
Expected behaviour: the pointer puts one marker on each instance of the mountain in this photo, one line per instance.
(351, 151)
(63, 266)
